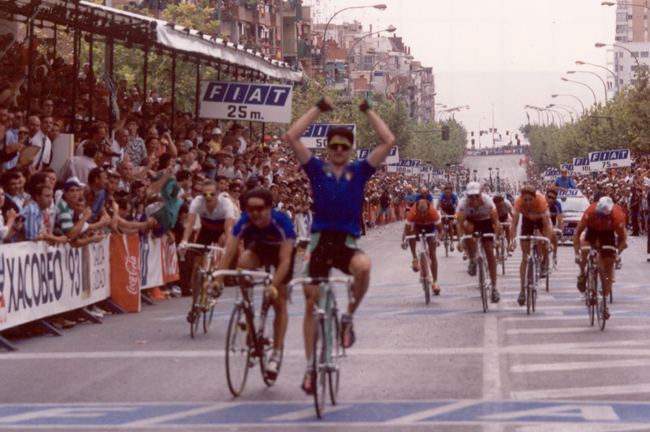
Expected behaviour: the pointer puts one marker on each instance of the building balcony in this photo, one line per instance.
(262, 18)
(241, 13)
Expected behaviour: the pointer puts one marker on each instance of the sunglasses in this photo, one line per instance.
(236, 190)
(339, 145)
(255, 208)
(209, 194)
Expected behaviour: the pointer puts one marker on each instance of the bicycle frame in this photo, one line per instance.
(422, 248)
(533, 267)
(481, 265)
(594, 295)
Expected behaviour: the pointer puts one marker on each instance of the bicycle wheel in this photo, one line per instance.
(502, 254)
(447, 243)
(482, 283)
(336, 350)
(237, 350)
(591, 297)
(424, 271)
(530, 283)
(601, 299)
(265, 328)
(320, 366)
(209, 312)
(196, 320)
(548, 270)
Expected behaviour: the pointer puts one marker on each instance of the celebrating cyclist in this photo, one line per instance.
(268, 238)
(531, 207)
(600, 221)
(447, 204)
(217, 215)
(504, 211)
(338, 191)
(477, 213)
(555, 212)
(424, 219)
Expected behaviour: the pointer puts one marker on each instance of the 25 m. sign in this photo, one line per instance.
(240, 101)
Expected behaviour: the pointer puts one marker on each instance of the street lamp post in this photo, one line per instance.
(378, 6)
(563, 107)
(390, 29)
(593, 73)
(581, 83)
(578, 62)
(583, 105)
(600, 45)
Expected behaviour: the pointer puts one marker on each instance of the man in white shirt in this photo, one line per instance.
(38, 132)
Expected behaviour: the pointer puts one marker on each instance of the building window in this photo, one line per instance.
(630, 17)
(644, 54)
(634, 54)
(621, 81)
(621, 16)
(633, 68)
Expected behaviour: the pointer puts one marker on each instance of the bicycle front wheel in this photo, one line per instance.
(208, 311)
(530, 283)
(196, 320)
(482, 283)
(237, 350)
(502, 254)
(424, 271)
(336, 350)
(267, 316)
(320, 367)
(601, 299)
(591, 297)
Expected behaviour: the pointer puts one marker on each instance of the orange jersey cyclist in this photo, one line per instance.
(532, 208)
(477, 213)
(600, 221)
(423, 218)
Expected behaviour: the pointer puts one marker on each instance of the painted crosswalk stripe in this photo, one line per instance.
(555, 330)
(596, 364)
(568, 393)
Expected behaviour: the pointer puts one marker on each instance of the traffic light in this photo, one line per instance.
(480, 133)
(518, 142)
(445, 133)
(472, 133)
(507, 133)
(517, 136)
(472, 141)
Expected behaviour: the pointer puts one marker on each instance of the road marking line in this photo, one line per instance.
(307, 413)
(423, 415)
(573, 392)
(600, 364)
(153, 421)
(554, 330)
(491, 368)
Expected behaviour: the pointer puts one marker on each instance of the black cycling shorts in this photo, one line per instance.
(483, 226)
(529, 226)
(601, 238)
(504, 218)
(330, 249)
(425, 229)
(448, 210)
(269, 256)
(206, 236)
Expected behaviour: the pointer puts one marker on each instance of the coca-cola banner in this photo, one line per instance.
(37, 280)
(125, 271)
(169, 261)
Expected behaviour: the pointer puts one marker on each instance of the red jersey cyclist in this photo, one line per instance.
(423, 218)
(600, 221)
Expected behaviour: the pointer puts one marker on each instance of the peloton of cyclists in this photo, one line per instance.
(423, 218)
(447, 204)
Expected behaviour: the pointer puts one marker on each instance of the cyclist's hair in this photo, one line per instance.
(263, 194)
(529, 189)
(497, 199)
(448, 186)
(210, 182)
(342, 132)
(553, 192)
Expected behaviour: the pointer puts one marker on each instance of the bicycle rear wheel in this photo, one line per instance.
(482, 283)
(548, 270)
(601, 300)
(265, 328)
(196, 306)
(237, 350)
(530, 283)
(424, 271)
(320, 377)
(591, 297)
(446, 243)
(336, 351)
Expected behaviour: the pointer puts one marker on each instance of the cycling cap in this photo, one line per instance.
(604, 206)
(473, 188)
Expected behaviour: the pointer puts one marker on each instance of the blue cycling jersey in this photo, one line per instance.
(452, 201)
(555, 209)
(279, 230)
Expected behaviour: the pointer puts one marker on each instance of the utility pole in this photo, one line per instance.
(492, 126)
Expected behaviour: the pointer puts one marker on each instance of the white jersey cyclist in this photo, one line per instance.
(481, 213)
(213, 220)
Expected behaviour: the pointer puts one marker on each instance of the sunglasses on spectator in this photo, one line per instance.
(255, 208)
(339, 145)
(209, 194)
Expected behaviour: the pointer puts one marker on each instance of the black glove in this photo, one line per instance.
(365, 105)
(322, 105)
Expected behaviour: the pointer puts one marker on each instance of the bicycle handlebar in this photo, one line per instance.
(416, 236)
(588, 248)
(532, 238)
(477, 235)
(319, 280)
(448, 216)
(251, 273)
(205, 247)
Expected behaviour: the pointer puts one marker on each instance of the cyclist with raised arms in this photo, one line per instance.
(447, 204)
(217, 215)
(338, 194)
(555, 211)
(423, 218)
(600, 221)
(477, 213)
(531, 207)
(504, 211)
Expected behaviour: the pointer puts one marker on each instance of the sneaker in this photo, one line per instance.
(176, 291)
(522, 298)
(472, 269)
(242, 321)
(543, 272)
(308, 383)
(582, 283)
(648, 256)
(273, 366)
(416, 265)
(619, 263)
(436, 288)
(451, 246)
(495, 296)
(465, 256)
(606, 313)
(191, 316)
(347, 331)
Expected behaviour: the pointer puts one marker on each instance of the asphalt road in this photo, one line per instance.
(508, 165)
(447, 365)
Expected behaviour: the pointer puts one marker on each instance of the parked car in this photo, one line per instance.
(574, 204)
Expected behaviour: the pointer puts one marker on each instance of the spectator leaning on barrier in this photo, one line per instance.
(37, 224)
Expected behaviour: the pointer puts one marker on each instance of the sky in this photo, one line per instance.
(496, 55)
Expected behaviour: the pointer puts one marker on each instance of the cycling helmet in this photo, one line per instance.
(604, 206)
(473, 188)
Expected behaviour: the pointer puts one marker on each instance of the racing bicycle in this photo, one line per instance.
(328, 345)
(502, 247)
(424, 258)
(594, 295)
(249, 338)
(482, 271)
(447, 241)
(533, 270)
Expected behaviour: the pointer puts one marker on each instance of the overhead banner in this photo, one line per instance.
(393, 156)
(406, 166)
(37, 281)
(240, 101)
(315, 137)
(551, 174)
(581, 165)
(604, 160)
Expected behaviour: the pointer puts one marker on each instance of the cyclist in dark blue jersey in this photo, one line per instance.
(557, 220)
(268, 238)
(338, 193)
(447, 204)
